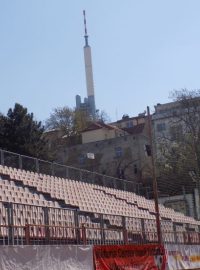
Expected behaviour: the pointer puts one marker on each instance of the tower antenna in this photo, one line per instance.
(85, 28)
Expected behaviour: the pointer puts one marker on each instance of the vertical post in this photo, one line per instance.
(124, 184)
(155, 188)
(143, 231)
(52, 169)
(175, 234)
(125, 234)
(147, 193)
(20, 162)
(46, 222)
(186, 235)
(66, 172)
(102, 229)
(93, 177)
(83, 234)
(27, 234)
(2, 157)
(9, 208)
(134, 187)
(104, 180)
(80, 176)
(37, 165)
(77, 227)
(114, 183)
(199, 234)
(138, 188)
(197, 203)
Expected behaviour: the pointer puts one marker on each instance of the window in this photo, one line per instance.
(161, 127)
(118, 152)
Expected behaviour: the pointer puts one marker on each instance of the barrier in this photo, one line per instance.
(122, 257)
(46, 257)
(181, 257)
(28, 163)
(108, 257)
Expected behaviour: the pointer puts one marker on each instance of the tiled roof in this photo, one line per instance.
(100, 125)
(126, 119)
(136, 129)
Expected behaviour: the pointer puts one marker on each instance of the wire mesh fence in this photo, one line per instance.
(178, 188)
(11, 159)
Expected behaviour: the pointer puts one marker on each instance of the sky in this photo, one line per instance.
(141, 51)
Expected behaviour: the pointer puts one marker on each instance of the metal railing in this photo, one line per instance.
(27, 163)
(36, 225)
(64, 235)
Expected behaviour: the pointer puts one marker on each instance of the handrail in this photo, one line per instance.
(80, 235)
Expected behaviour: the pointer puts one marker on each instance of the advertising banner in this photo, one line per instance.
(46, 258)
(183, 257)
(129, 257)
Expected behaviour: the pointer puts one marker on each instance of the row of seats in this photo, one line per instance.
(149, 205)
(11, 193)
(85, 196)
(112, 203)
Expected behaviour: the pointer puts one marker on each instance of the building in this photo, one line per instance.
(129, 122)
(171, 121)
(99, 131)
(118, 152)
(176, 137)
(164, 121)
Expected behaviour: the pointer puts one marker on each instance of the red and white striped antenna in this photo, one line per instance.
(85, 25)
(85, 28)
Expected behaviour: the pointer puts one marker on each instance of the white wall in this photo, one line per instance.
(46, 257)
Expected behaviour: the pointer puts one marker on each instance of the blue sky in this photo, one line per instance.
(141, 51)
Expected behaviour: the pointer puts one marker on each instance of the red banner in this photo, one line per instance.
(129, 257)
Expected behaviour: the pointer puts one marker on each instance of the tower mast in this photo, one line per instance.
(89, 71)
(85, 28)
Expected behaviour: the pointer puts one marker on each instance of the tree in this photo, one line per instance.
(3, 138)
(63, 119)
(20, 133)
(81, 121)
(72, 121)
(180, 148)
(102, 116)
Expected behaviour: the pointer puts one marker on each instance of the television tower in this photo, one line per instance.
(89, 72)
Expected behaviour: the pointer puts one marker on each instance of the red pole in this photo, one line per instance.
(125, 236)
(155, 188)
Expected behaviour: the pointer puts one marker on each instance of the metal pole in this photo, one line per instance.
(2, 158)
(20, 162)
(155, 188)
(52, 169)
(37, 165)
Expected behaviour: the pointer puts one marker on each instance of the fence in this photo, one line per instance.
(29, 224)
(27, 163)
